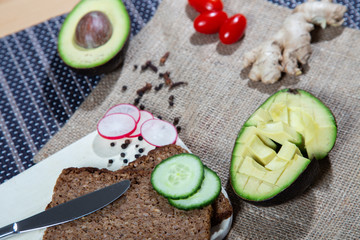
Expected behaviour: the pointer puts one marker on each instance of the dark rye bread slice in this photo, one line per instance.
(222, 206)
(140, 213)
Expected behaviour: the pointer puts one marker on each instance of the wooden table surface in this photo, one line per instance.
(16, 15)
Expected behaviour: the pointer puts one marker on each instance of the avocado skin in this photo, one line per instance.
(107, 67)
(306, 178)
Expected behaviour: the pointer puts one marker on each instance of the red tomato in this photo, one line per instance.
(206, 5)
(233, 29)
(209, 22)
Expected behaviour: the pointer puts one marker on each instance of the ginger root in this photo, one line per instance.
(291, 44)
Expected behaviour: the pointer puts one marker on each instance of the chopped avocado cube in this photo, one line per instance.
(259, 151)
(273, 176)
(259, 116)
(288, 150)
(251, 168)
(248, 132)
(293, 170)
(251, 187)
(279, 112)
(280, 132)
(276, 163)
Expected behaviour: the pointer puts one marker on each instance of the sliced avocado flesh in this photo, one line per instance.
(79, 57)
(280, 132)
(300, 124)
(251, 173)
(259, 116)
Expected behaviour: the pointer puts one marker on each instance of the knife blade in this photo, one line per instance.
(68, 211)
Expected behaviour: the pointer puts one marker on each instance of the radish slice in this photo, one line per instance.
(116, 125)
(125, 108)
(158, 132)
(144, 116)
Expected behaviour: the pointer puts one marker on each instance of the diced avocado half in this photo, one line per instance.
(279, 143)
(105, 56)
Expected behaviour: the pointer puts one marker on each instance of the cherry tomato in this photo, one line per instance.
(233, 29)
(209, 22)
(206, 5)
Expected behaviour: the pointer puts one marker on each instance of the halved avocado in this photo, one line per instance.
(276, 151)
(94, 36)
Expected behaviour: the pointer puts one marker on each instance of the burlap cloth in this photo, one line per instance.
(219, 98)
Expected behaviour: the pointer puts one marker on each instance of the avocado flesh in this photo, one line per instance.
(78, 57)
(298, 122)
(306, 115)
(259, 172)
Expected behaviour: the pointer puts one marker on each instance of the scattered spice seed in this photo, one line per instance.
(164, 58)
(135, 67)
(124, 88)
(142, 107)
(178, 128)
(144, 89)
(159, 87)
(150, 65)
(112, 144)
(174, 85)
(111, 161)
(143, 67)
(137, 145)
(125, 161)
(159, 117)
(123, 146)
(141, 150)
(140, 138)
(171, 104)
(137, 155)
(168, 81)
(127, 141)
(137, 101)
(122, 154)
(161, 75)
(176, 121)
(171, 98)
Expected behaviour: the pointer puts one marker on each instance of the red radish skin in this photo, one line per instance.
(158, 132)
(116, 126)
(144, 116)
(125, 108)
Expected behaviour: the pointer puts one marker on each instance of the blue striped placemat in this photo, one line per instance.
(38, 93)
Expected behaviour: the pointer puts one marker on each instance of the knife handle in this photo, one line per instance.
(8, 230)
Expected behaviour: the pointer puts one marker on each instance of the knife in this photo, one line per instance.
(69, 211)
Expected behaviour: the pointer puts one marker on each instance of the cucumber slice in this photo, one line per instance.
(178, 176)
(208, 192)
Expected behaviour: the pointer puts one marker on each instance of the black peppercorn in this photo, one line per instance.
(176, 121)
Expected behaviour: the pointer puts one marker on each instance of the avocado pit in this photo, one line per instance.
(93, 30)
